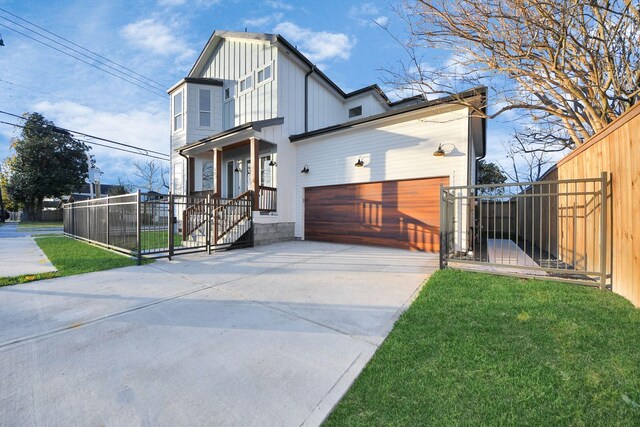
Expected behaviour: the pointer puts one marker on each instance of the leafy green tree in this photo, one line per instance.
(490, 173)
(47, 162)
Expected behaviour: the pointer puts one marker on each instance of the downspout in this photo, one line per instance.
(188, 166)
(306, 98)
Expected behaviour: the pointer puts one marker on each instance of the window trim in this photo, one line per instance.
(232, 92)
(352, 116)
(244, 79)
(260, 83)
(210, 111)
(174, 116)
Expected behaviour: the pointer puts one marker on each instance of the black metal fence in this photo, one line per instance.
(158, 225)
(547, 229)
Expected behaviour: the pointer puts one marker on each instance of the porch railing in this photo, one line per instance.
(154, 224)
(267, 199)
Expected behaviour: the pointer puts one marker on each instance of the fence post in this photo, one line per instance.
(170, 230)
(138, 226)
(108, 220)
(442, 227)
(603, 230)
(208, 225)
(251, 208)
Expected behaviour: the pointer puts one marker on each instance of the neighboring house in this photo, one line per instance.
(84, 192)
(332, 166)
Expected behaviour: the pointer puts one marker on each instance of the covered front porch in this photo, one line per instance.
(223, 166)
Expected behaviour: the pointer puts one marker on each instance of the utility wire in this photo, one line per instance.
(82, 60)
(95, 143)
(145, 82)
(34, 90)
(145, 150)
(160, 85)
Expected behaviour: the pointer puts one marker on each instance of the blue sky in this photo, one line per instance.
(161, 39)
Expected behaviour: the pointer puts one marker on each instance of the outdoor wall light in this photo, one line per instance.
(237, 169)
(305, 170)
(359, 163)
(439, 152)
(272, 163)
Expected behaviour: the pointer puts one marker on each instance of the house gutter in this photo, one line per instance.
(306, 98)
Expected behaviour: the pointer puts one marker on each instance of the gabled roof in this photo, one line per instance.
(219, 35)
(468, 94)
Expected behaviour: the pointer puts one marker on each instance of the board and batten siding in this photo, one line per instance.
(234, 59)
(393, 149)
(616, 150)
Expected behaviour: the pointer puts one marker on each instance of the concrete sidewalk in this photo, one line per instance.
(263, 336)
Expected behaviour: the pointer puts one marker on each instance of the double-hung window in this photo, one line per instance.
(204, 100)
(177, 111)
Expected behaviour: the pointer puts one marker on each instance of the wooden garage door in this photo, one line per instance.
(399, 214)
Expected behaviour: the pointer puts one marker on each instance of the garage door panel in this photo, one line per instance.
(402, 214)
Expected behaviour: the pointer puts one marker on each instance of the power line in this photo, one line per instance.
(95, 143)
(145, 150)
(83, 48)
(145, 82)
(82, 60)
(34, 90)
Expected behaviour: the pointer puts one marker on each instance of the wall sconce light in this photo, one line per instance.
(272, 163)
(237, 169)
(359, 163)
(439, 152)
(305, 170)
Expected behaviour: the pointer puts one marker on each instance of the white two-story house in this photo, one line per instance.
(254, 114)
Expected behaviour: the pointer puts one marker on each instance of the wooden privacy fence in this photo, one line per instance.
(553, 229)
(615, 149)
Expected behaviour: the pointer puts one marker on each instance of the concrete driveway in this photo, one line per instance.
(272, 335)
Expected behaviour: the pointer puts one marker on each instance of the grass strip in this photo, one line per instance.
(476, 349)
(72, 257)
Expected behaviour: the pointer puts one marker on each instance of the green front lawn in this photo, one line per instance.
(71, 257)
(41, 224)
(476, 349)
(158, 239)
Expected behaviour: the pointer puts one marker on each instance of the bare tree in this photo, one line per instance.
(526, 164)
(153, 174)
(573, 65)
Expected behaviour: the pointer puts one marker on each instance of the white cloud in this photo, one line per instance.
(199, 3)
(146, 126)
(261, 22)
(156, 37)
(367, 14)
(317, 46)
(277, 4)
(381, 20)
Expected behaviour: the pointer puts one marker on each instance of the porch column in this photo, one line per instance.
(217, 167)
(255, 171)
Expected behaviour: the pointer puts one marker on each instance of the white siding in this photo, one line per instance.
(370, 103)
(398, 149)
(234, 59)
(326, 107)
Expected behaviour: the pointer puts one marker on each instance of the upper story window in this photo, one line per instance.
(264, 74)
(177, 111)
(246, 83)
(204, 99)
(355, 111)
(229, 93)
